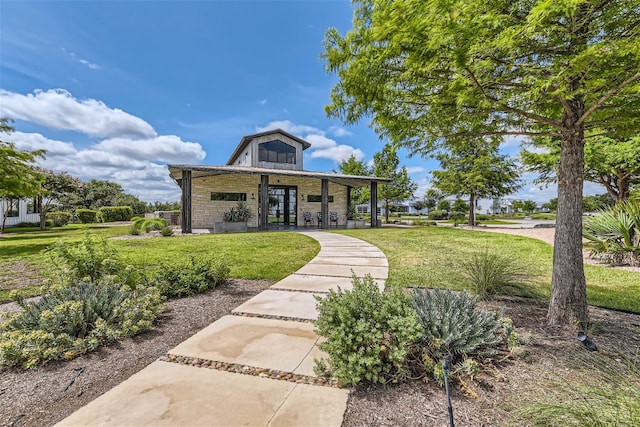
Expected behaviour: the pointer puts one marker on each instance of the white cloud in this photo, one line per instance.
(76, 58)
(36, 141)
(321, 145)
(512, 141)
(129, 151)
(414, 169)
(263, 101)
(58, 109)
(339, 131)
(164, 148)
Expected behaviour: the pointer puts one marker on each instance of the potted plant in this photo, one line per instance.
(234, 220)
(351, 216)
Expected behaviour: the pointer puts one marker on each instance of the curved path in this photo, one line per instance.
(254, 367)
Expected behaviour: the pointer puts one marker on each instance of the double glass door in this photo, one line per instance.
(283, 205)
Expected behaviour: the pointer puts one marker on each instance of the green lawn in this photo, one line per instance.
(270, 256)
(430, 257)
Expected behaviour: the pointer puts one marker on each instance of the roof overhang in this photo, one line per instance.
(198, 171)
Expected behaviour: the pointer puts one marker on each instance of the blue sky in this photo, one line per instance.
(115, 90)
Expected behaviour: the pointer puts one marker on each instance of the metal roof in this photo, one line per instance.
(204, 170)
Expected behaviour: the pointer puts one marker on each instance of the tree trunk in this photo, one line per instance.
(568, 286)
(43, 214)
(472, 207)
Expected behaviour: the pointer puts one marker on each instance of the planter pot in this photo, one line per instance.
(229, 227)
(351, 223)
(360, 223)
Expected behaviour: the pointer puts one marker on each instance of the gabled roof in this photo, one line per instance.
(247, 139)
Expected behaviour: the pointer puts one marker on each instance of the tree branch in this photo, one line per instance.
(607, 96)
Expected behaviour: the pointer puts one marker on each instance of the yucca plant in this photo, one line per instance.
(451, 323)
(614, 234)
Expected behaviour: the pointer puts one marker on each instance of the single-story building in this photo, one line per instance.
(269, 161)
(19, 211)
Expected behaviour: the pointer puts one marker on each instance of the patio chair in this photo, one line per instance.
(333, 217)
(307, 218)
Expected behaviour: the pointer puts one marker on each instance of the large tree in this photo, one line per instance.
(55, 186)
(612, 163)
(353, 166)
(429, 72)
(477, 170)
(18, 177)
(386, 164)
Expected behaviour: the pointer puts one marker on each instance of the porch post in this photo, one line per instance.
(374, 204)
(264, 202)
(348, 201)
(186, 201)
(324, 198)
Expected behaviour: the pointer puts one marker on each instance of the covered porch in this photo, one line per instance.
(280, 199)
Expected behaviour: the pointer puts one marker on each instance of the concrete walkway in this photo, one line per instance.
(252, 368)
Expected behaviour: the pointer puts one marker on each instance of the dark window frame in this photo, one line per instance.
(221, 196)
(316, 198)
(277, 151)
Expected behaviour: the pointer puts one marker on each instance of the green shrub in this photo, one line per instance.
(90, 260)
(115, 213)
(151, 224)
(614, 234)
(488, 274)
(188, 278)
(457, 217)
(75, 319)
(451, 323)
(483, 217)
(367, 332)
(166, 231)
(59, 219)
(239, 213)
(86, 216)
(438, 215)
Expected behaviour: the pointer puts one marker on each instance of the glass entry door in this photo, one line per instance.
(283, 206)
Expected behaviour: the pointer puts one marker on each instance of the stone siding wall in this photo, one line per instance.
(206, 211)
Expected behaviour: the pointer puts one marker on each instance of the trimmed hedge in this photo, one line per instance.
(59, 219)
(438, 215)
(115, 213)
(86, 216)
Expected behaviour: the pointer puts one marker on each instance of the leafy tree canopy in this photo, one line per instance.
(614, 164)
(18, 176)
(477, 170)
(387, 165)
(430, 73)
(352, 166)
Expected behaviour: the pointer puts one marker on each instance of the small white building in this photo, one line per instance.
(20, 210)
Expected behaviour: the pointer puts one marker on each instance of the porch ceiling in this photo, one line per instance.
(198, 171)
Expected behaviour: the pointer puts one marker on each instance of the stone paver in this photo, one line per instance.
(295, 305)
(168, 394)
(311, 283)
(253, 341)
(344, 270)
(273, 338)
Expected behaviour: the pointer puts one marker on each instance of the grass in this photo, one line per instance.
(270, 256)
(430, 257)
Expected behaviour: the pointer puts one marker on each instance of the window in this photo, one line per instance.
(13, 207)
(33, 207)
(229, 197)
(317, 198)
(276, 152)
(362, 209)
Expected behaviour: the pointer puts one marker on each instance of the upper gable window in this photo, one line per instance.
(276, 152)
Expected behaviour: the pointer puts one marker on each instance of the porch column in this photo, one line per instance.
(374, 204)
(324, 208)
(186, 201)
(264, 203)
(348, 201)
